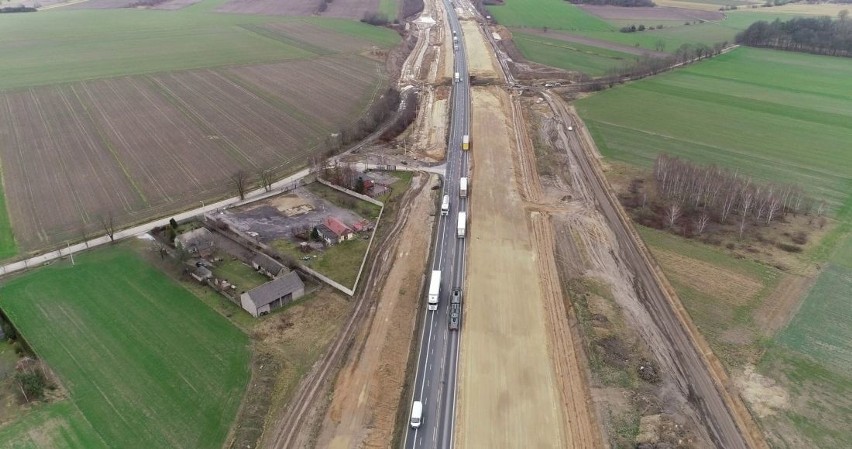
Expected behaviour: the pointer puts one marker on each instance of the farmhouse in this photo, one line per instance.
(196, 242)
(273, 294)
(267, 266)
(339, 231)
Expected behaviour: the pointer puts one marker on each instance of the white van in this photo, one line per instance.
(416, 414)
(445, 205)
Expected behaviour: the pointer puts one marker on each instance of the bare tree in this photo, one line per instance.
(672, 214)
(745, 206)
(774, 205)
(701, 222)
(108, 224)
(265, 177)
(240, 180)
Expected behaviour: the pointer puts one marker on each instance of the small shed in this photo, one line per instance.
(201, 274)
(196, 242)
(267, 266)
(273, 294)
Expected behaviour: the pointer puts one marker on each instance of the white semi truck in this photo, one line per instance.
(434, 290)
(445, 205)
(463, 187)
(462, 224)
(456, 77)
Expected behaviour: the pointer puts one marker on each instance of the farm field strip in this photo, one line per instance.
(554, 14)
(146, 363)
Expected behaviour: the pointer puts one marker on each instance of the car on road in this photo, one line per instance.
(456, 298)
(416, 414)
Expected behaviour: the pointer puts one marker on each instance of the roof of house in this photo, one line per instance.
(196, 237)
(267, 263)
(275, 289)
(203, 272)
(337, 226)
(325, 231)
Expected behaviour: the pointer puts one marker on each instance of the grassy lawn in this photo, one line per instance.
(145, 363)
(340, 199)
(594, 61)
(69, 45)
(554, 14)
(339, 262)
(239, 274)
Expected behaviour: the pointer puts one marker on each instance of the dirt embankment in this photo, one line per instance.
(367, 393)
(520, 383)
(699, 388)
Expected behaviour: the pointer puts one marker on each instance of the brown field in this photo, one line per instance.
(353, 9)
(651, 13)
(319, 87)
(148, 145)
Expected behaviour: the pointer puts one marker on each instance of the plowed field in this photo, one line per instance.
(140, 146)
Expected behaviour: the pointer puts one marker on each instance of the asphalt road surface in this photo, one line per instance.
(437, 362)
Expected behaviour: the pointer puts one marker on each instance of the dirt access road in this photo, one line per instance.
(517, 387)
(677, 344)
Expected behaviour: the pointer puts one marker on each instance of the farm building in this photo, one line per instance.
(267, 266)
(196, 242)
(273, 294)
(334, 231)
(201, 274)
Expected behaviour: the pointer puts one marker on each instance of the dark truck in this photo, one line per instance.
(455, 309)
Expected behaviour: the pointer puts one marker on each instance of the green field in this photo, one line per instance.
(554, 14)
(8, 247)
(70, 45)
(389, 7)
(792, 128)
(594, 61)
(145, 363)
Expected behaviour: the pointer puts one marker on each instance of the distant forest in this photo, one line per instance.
(819, 35)
(615, 2)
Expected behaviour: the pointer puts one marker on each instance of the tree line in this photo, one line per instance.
(695, 196)
(819, 35)
(648, 65)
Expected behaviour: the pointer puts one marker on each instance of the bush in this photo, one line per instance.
(33, 384)
(375, 18)
(800, 238)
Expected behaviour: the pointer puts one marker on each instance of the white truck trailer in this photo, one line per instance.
(434, 290)
(445, 205)
(462, 224)
(463, 187)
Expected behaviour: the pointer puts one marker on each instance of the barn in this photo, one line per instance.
(273, 294)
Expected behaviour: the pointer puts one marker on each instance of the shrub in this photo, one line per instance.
(33, 383)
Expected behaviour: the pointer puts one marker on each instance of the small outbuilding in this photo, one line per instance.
(201, 274)
(267, 266)
(198, 242)
(273, 294)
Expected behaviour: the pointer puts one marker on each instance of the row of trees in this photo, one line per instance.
(820, 35)
(648, 65)
(634, 28)
(714, 194)
(615, 2)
